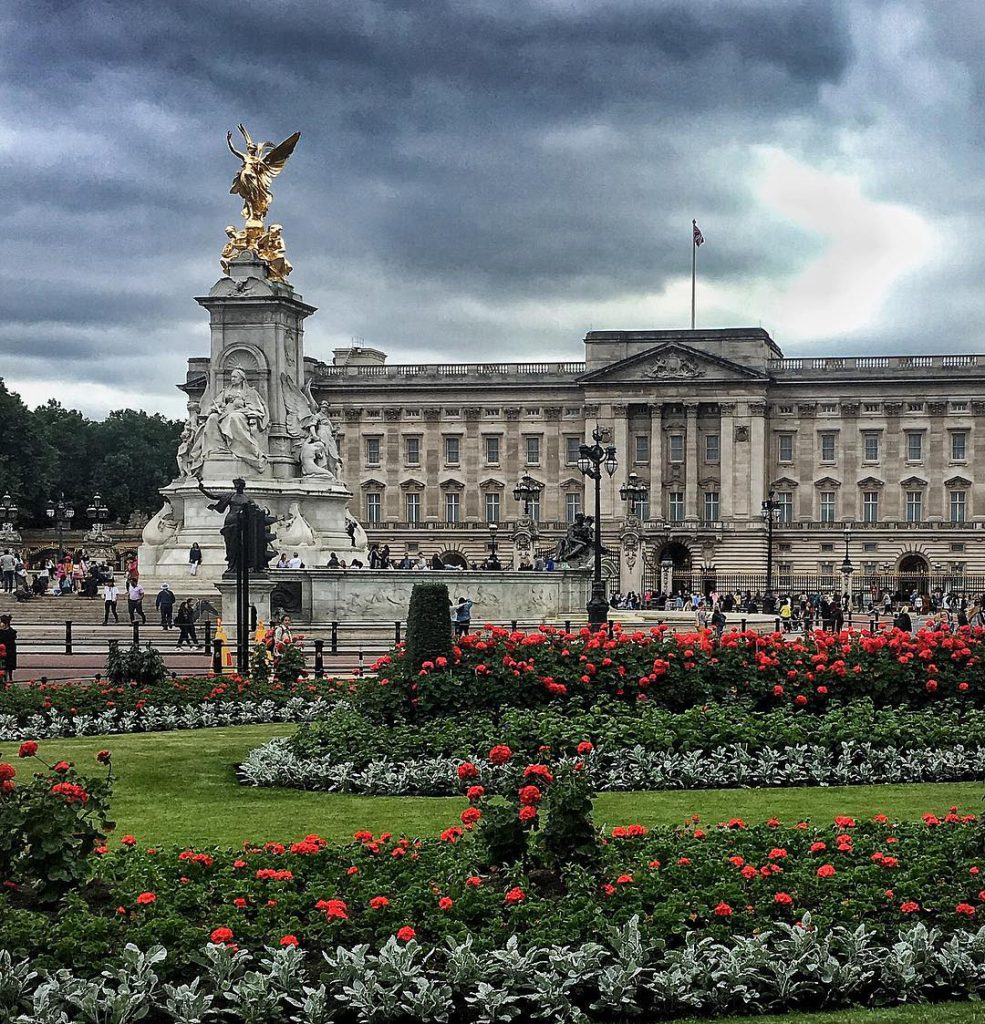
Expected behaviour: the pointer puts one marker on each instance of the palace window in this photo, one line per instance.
(676, 506)
(452, 450)
(828, 447)
(870, 506)
(959, 446)
(713, 448)
(914, 446)
(453, 507)
(784, 505)
(957, 547)
(492, 506)
(412, 451)
(827, 548)
(641, 448)
(374, 507)
(914, 506)
(712, 504)
(535, 508)
(826, 506)
(958, 506)
(572, 506)
(784, 444)
(492, 450)
(532, 443)
(412, 504)
(677, 448)
(373, 451)
(572, 442)
(641, 508)
(870, 444)
(870, 546)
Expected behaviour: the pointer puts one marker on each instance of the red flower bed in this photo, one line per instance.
(496, 667)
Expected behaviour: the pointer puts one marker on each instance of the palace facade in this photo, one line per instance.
(712, 422)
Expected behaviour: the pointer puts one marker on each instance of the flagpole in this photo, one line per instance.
(694, 250)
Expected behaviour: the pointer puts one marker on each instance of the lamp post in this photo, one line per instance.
(493, 531)
(97, 514)
(846, 567)
(526, 490)
(8, 520)
(591, 459)
(772, 510)
(634, 491)
(61, 513)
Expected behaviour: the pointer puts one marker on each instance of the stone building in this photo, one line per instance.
(711, 421)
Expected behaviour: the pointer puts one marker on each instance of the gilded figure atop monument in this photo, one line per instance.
(262, 162)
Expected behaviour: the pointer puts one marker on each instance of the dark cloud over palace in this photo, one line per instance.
(476, 181)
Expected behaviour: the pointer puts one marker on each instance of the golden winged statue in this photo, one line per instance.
(262, 162)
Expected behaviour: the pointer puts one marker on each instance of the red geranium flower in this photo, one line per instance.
(515, 895)
(500, 754)
(103, 757)
(470, 815)
(826, 871)
(446, 903)
(406, 933)
(146, 898)
(783, 898)
(221, 935)
(289, 940)
(28, 749)
(529, 795)
(466, 770)
(723, 910)
(379, 902)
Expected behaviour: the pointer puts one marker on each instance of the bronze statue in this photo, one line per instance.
(229, 503)
(260, 166)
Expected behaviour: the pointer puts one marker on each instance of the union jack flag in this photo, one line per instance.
(698, 237)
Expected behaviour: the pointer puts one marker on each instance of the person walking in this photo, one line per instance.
(282, 631)
(110, 596)
(8, 565)
(463, 617)
(185, 621)
(135, 601)
(165, 605)
(194, 559)
(8, 640)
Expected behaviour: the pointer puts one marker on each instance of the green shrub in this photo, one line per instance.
(135, 665)
(428, 624)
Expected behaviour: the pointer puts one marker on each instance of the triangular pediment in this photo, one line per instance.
(784, 483)
(957, 481)
(827, 483)
(913, 482)
(671, 361)
(869, 483)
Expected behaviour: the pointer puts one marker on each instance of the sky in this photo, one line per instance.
(482, 181)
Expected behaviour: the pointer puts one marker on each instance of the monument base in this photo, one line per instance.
(382, 596)
(311, 515)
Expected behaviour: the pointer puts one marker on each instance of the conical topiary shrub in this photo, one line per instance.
(428, 624)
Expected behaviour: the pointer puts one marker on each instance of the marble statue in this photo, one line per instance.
(183, 456)
(311, 431)
(235, 421)
(295, 531)
(161, 528)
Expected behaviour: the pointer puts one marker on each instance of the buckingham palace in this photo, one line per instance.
(867, 461)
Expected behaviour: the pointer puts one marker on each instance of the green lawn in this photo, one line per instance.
(180, 787)
(945, 1013)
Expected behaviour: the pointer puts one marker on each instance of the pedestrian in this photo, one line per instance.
(701, 616)
(718, 621)
(903, 620)
(8, 565)
(282, 631)
(110, 595)
(185, 621)
(8, 640)
(463, 617)
(295, 562)
(165, 605)
(135, 601)
(194, 559)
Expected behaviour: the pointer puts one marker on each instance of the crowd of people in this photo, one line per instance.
(380, 558)
(816, 609)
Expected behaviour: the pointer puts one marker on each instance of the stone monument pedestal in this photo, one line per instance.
(251, 417)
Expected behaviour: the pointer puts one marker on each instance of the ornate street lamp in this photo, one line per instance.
(634, 491)
(772, 511)
(591, 460)
(97, 514)
(493, 531)
(527, 489)
(61, 514)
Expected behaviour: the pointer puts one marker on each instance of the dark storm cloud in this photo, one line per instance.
(461, 162)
